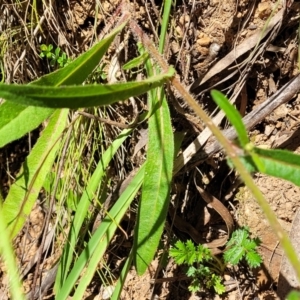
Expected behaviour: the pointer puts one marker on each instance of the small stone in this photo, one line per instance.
(106, 291)
(268, 130)
(214, 49)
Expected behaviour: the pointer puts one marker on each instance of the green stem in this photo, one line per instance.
(271, 217)
(164, 25)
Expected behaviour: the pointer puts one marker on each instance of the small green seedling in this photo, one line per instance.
(98, 75)
(205, 269)
(46, 51)
(56, 57)
(241, 246)
(202, 266)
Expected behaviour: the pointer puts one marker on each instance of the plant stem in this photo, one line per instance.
(271, 217)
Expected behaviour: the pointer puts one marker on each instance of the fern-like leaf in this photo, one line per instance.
(184, 252)
(253, 259)
(234, 255)
(242, 246)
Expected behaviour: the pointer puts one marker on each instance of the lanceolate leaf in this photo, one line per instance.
(79, 69)
(16, 120)
(156, 187)
(24, 192)
(233, 116)
(79, 96)
(137, 61)
(98, 243)
(83, 205)
(280, 163)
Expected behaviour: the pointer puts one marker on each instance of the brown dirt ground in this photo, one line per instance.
(196, 30)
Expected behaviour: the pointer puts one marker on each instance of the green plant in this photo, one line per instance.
(205, 269)
(27, 106)
(202, 265)
(293, 295)
(59, 86)
(56, 57)
(98, 75)
(279, 163)
(243, 155)
(241, 246)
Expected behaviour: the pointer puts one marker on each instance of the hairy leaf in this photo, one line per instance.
(280, 163)
(79, 96)
(24, 192)
(233, 116)
(137, 61)
(154, 204)
(16, 119)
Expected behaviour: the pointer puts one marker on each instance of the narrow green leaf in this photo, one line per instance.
(98, 243)
(156, 187)
(83, 206)
(8, 258)
(233, 116)
(80, 96)
(119, 286)
(247, 161)
(80, 68)
(72, 199)
(24, 192)
(136, 62)
(280, 163)
(16, 120)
